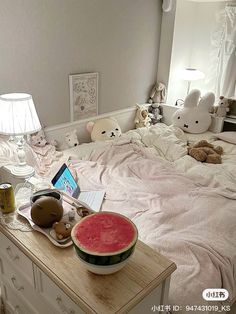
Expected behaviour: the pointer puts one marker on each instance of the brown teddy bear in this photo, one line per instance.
(206, 152)
(62, 229)
(221, 109)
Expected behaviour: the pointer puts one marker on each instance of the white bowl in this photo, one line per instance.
(104, 270)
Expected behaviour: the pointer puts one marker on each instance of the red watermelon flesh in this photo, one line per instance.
(105, 232)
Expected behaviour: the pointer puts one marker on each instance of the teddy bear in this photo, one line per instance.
(158, 93)
(142, 118)
(104, 129)
(221, 109)
(71, 139)
(154, 113)
(206, 152)
(62, 229)
(45, 151)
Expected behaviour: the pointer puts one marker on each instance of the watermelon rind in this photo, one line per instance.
(104, 259)
(104, 270)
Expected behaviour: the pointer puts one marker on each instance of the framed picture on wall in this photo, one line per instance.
(83, 95)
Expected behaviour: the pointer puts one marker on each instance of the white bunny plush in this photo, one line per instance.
(194, 117)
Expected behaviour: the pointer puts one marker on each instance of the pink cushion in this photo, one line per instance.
(227, 137)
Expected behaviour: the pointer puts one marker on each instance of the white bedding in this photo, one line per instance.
(171, 143)
(194, 229)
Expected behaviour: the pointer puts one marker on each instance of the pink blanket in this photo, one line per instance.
(180, 217)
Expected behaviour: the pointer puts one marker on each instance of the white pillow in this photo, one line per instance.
(227, 136)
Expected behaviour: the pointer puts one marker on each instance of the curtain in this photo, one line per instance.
(226, 67)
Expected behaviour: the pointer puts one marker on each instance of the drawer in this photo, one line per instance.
(60, 302)
(18, 283)
(12, 254)
(22, 288)
(15, 304)
(151, 300)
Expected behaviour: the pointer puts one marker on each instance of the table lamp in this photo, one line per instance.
(191, 74)
(18, 117)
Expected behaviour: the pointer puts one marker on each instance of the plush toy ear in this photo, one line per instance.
(163, 92)
(207, 101)
(192, 99)
(40, 132)
(90, 126)
(153, 91)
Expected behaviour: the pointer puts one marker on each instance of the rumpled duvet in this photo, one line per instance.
(184, 214)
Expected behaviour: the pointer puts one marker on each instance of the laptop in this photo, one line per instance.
(64, 180)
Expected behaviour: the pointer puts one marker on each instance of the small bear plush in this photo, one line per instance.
(45, 151)
(62, 229)
(72, 139)
(154, 113)
(142, 118)
(39, 139)
(221, 109)
(206, 152)
(104, 129)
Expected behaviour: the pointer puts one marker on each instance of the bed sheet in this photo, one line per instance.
(181, 210)
(170, 143)
(81, 152)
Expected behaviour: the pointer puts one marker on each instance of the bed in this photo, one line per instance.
(184, 209)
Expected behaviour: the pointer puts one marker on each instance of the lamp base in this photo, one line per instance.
(23, 171)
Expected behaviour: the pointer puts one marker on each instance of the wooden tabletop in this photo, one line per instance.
(114, 293)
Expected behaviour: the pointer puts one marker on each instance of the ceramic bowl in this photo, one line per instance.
(46, 192)
(104, 270)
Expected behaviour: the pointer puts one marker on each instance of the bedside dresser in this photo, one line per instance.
(37, 277)
(220, 124)
(229, 124)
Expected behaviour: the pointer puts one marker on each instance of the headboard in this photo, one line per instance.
(125, 118)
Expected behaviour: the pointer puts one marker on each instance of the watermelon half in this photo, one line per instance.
(104, 238)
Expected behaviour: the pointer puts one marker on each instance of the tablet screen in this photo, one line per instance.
(65, 181)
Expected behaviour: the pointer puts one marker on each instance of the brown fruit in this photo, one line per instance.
(45, 211)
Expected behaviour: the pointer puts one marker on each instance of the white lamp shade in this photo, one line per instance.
(18, 115)
(191, 74)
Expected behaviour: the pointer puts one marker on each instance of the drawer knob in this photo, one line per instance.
(63, 307)
(11, 254)
(16, 285)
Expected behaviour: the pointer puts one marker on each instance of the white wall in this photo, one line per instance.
(43, 41)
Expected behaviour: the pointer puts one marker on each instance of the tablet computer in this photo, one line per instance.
(64, 180)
